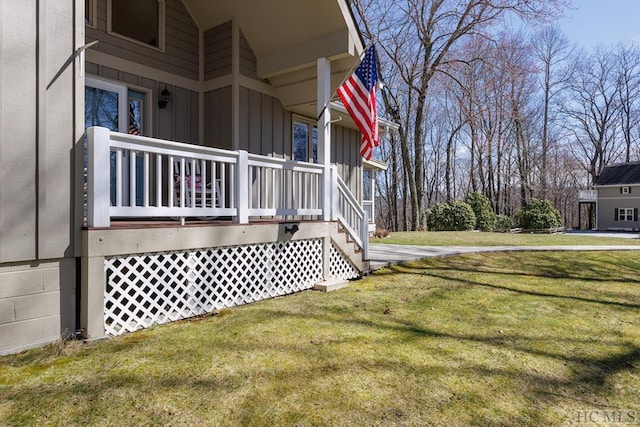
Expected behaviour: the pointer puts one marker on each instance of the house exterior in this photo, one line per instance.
(618, 197)
(161, 159)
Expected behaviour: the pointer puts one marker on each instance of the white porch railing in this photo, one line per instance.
(349, 213)
(587, 195)
(284, 187)
(139, 177)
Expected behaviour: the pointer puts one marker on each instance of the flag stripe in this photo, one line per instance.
(358, 94)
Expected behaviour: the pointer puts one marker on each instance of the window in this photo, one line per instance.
(366, 184)
(626, 214)
(625, 190)
(90, 13)
(305, 141)
(141, 21)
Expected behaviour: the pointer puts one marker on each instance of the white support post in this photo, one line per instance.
(364, 236)
(242, 188)
(335, 207)
(98, 171)
(324, 132)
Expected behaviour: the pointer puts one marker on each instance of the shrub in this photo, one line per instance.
(503, 223)
(485, 217)
(453, 216)
(538, 214)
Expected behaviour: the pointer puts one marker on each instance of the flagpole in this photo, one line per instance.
(349, 73)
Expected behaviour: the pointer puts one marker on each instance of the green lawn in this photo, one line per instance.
(472, 238)
(494, 339)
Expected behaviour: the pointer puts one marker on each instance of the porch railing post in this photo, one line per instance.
(98, 174)
(335, 207)
(364, 236)
(242, 188)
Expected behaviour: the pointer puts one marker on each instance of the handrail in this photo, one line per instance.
(284, 187)
(150, 177)
(350, 214)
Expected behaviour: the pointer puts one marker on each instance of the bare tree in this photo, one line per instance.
(553, 52)
(593, 110)
(420, 39)
(628, 63)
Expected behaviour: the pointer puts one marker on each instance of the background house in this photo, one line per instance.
(618, 197)
(240, 85)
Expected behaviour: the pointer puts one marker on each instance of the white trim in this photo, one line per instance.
(92, 13)
(375, 164)
(161, 27)
(201, 102)
(297, 118)
(121, 90)
(617, 185)
(235, 86)
(626, 214)
(243, 81)
(145, 71)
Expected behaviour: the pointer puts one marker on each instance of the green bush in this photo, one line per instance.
(503, 223)
(485, 217)
(538, 214)
(453, 216)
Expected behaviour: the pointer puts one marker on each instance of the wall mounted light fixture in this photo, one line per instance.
(165, 97)
(291, 229)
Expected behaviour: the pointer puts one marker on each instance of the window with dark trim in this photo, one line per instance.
(626, 214)
(140, 20)
(625, 190)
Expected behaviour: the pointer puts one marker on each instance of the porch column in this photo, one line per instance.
(324, 132)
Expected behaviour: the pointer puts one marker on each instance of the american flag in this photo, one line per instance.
(358, 94)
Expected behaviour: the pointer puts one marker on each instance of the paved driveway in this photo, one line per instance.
(383, 255)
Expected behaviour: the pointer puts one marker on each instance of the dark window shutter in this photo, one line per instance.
(615, 214)
(629, 190)
(635, 214)
(621, 190)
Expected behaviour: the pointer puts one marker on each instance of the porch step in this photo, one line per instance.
(331, 285)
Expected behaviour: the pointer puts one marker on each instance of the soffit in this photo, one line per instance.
(284, 34)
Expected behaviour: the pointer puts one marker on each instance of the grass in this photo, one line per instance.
(492, 339)
(471, 238)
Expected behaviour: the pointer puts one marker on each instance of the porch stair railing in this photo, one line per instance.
(350, 214)
(140, 177)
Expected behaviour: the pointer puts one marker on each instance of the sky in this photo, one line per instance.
(602, 22)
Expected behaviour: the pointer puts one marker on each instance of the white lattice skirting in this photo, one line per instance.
(147, 289)
(339, 266)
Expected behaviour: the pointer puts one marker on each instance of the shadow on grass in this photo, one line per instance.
(549, 265)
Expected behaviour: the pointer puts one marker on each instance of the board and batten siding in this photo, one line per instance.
(218, 119)
(37, 152)
(181, 53)
(218, 51)
(178, 121)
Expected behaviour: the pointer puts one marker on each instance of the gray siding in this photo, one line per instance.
(37, 229)
(217, 121)
(181, 55)
(265, 127)
(177, 122)
(36, 131)
(345, 153)
(218, 51)
(610, 199)
(248, 64)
